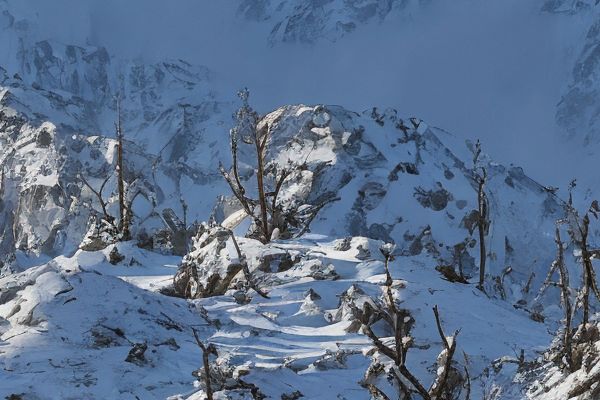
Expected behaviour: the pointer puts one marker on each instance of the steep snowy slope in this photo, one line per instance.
(74, 324)
(48, 145)
(397, 180)
(401, 181)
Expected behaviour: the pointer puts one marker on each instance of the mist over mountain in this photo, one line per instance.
(491, 70)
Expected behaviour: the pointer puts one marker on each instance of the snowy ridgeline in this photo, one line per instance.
(85, 314)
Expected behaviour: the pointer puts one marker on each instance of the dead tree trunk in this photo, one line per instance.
(482, 227)
(184, 206)
(206, 352)
(482, 213)
(565, 296)
(123, 218)
(2, 179)
(563, 284)
(260, 141)
(587, 267)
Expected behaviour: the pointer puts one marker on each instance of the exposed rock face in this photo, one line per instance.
(577, 111)
(308, 22)
(45, 161)
(567, 6)
(54, 98)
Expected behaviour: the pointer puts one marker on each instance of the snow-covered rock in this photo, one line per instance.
(308, 22)
(208, 269)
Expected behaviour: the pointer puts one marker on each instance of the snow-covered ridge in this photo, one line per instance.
(345, 36)
(397, 179)
(309, 22)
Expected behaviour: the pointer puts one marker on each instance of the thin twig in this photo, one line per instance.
(98, 194)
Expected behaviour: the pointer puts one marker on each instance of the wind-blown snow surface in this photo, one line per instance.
(61, 341)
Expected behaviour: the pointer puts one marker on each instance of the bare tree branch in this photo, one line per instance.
(439, 385)
(206, 352)
(98, 193)
(247, 274)
(376, 392)
(467, 377)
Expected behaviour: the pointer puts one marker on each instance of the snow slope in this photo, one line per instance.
(60, 341)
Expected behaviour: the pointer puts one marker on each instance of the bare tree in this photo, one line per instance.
(563, 284)
(568, 350)
(483, 222)
(124, 220)
(271, 218)
(565, 296)
(579, 232)
(184, 206)
(408, 383)
(118, 227)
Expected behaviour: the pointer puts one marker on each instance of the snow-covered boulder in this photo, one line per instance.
(208, 269)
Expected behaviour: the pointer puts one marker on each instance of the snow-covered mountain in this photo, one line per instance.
(309, 22)
(407, 55)
(394, 177)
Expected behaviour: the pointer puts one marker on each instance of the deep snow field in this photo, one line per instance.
(62, 340)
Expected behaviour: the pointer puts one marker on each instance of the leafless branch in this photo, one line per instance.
(439, 385)
(376, 392)
(206, 352)
(467, 377)
(98, 193)
(247, 274)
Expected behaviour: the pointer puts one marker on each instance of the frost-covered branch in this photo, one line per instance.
(272, 218)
